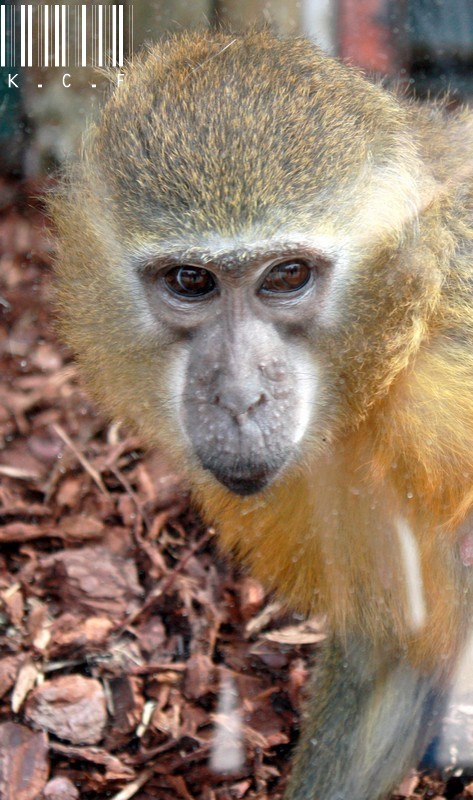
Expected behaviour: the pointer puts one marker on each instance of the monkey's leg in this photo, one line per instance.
(366, 724)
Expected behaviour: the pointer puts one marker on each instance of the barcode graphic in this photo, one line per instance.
(65, 35)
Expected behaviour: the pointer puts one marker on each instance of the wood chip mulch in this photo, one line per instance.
(134, 661)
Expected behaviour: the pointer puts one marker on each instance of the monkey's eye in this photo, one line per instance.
(188, 281)
(288, 276)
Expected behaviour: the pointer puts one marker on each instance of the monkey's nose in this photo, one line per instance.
(240, 402)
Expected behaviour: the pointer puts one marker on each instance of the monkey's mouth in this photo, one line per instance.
(244, 476)
(244, 483)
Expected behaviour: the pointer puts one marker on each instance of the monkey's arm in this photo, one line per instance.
(365, 725)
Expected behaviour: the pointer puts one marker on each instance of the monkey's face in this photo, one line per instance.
(243, 378)
(240, 269)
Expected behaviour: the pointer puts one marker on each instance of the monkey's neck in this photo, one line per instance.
(334, 539)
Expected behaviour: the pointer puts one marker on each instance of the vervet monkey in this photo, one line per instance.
(265, 265)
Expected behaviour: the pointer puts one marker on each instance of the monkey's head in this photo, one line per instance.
(241, 264)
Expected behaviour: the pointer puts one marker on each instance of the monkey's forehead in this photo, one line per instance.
(223, 127)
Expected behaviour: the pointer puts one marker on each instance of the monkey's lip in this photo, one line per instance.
(245, 477)
(245, 485)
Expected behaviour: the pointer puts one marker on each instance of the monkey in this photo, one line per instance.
(264, 265)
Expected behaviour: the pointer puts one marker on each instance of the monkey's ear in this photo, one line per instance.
(394, 198)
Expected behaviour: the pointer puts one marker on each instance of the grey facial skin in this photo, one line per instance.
(247, 383)
(238, 408)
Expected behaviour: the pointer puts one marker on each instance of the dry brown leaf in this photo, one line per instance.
(9, 667)
(24, 762)
(60, 789)
(96, 755)
(25, 681)
(70, 706)
(93, 580)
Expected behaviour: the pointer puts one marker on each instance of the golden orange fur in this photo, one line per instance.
(216, 139)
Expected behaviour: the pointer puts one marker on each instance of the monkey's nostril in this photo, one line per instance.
(238, 404)
(259, 402)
